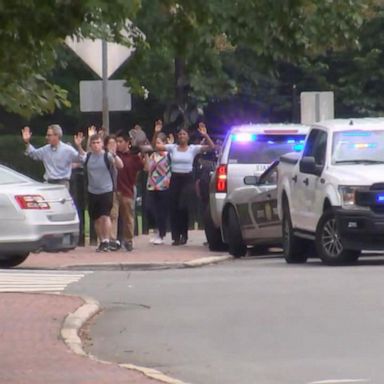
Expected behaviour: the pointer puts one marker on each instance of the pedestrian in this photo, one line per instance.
(181, 185)
(99, 165)
(56, 155)
(110, 145)
(158, 165)
(126, 186)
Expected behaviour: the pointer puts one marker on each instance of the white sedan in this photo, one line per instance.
(250, 214)
(34, 217)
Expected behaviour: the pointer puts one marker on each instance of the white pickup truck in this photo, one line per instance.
(332, 193)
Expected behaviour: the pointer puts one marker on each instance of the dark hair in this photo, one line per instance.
(107, 138)
(123, 135)
(183, 128)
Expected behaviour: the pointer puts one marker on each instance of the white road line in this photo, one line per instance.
(38, 281)
(341, 381)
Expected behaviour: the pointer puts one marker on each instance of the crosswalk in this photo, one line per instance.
(38, 280)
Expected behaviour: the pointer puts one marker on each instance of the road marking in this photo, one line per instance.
(341, 381)
(38, 281)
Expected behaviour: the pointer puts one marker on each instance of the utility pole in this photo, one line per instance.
(104, 58)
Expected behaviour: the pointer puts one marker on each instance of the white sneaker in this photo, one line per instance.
(152, 239)
(158, 241)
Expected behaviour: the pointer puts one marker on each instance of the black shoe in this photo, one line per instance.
(103, 247)
(183, 240)
(176, 242)
(128, 246)
(114, 245)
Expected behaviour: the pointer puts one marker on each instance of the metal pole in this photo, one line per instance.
(104, 58)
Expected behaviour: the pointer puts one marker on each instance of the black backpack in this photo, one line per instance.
(107, 164)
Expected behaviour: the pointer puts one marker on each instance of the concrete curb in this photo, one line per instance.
(70, 334)
(110, 266)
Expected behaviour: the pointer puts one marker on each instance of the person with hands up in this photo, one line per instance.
(57, 156)
(182, 156)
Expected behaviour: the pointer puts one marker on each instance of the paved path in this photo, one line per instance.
(37, 281)
(143, 255)
(33, 352)
(31, 348)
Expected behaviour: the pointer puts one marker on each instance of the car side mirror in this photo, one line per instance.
(308, 165)
(251, 180)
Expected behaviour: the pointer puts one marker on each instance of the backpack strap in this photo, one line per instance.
(87, 159)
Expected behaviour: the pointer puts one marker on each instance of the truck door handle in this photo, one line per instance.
(294, 178)
(306, 181)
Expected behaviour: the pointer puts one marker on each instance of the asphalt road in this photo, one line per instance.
(254, 320)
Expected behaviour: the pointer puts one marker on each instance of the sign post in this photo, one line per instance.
(104, 54)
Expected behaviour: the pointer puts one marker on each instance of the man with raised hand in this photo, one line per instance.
(56, 156)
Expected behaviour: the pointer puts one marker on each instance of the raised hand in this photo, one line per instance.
(202, 129)
(26, 134)
(92, 130)
(171, 139)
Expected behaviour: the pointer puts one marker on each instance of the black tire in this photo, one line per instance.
(11, 260)
(236, 245)
(213, 234)
(295, 249)
(328, 243)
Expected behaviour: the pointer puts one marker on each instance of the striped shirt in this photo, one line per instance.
(159, 172)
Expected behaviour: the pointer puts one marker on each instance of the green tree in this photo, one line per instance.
(31, 32)
(181, 57)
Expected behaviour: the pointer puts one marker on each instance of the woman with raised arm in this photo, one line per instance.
(182, 155)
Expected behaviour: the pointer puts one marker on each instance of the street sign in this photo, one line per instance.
(90, 51)
(91, 96)
(316, 106)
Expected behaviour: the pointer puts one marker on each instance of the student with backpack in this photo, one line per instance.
(99, 165)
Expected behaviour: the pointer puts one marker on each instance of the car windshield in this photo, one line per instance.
(358, 147)
(262, 149)
(8, 176)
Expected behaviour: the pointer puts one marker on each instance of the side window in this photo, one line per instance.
(321, 146)
(310, 144)
(316, 146)
(269, 178)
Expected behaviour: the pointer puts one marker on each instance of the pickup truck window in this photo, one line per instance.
(316, 146)
(263, 149)
(358, 147)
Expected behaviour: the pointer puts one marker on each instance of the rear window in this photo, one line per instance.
(262, 149)
(7, 176)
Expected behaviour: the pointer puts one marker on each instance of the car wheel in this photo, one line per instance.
(294, 248)
(236, 245)
(213, 234)
(328, 242)
(11, 260)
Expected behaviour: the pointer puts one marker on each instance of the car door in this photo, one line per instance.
(310, 185)
(264, 206)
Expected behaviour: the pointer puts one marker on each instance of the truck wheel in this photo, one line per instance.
(328, 242)
(236, 245)
(294, 248)
(213, 234)
(11, 260)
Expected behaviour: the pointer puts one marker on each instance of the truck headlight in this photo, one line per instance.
(348, 196)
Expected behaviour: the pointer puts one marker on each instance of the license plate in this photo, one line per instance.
(67, 239)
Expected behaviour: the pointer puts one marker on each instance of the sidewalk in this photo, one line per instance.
(39, 343)
(33, 352)
(144, 255)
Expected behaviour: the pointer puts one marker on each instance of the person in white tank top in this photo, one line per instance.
(182, 155)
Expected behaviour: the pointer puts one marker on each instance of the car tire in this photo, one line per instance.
(213, 234)
(295, 249)
(328, 243)
(11, 260)
(236, 245)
